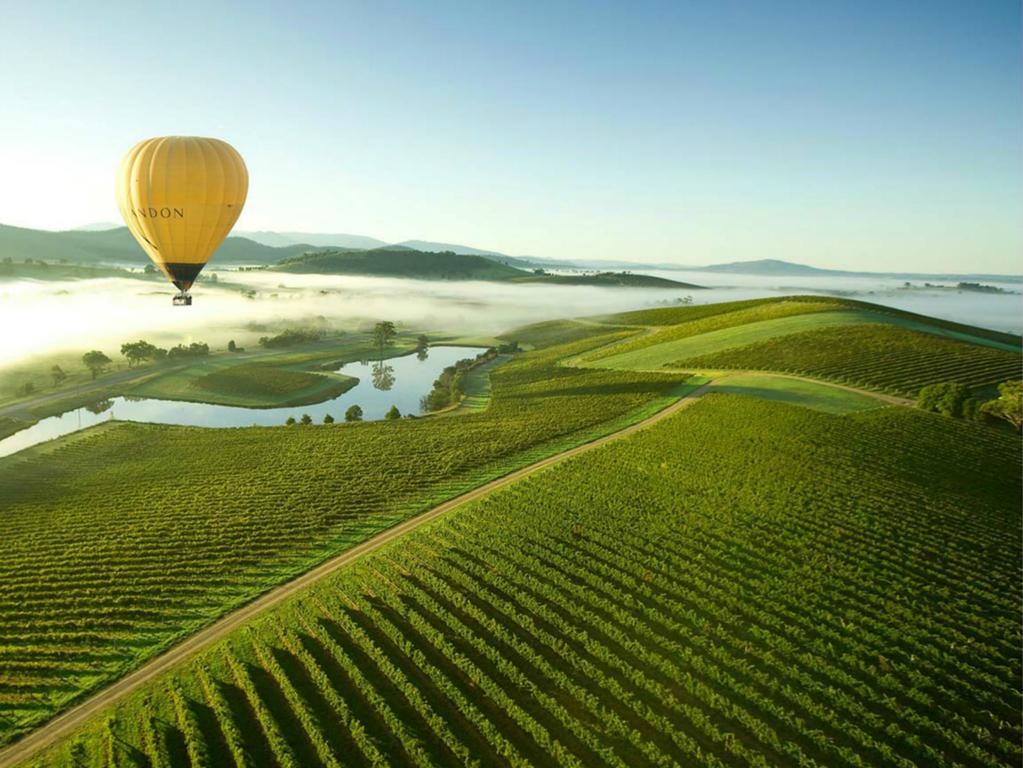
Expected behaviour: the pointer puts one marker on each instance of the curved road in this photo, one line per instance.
(49, 733)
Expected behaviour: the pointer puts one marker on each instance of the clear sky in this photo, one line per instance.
(871, 135)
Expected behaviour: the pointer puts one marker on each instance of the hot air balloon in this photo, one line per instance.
(180, 196)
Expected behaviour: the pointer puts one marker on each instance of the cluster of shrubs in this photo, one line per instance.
(956, 400)
(354, 413)
(140, 351)
(290, 337)
(449, 387)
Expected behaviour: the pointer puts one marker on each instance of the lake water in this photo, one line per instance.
(399, 381)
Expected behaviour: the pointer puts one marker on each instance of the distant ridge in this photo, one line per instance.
(338, 240)
(779, 268)
(105, 242)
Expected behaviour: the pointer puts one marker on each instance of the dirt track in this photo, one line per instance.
(49, 733)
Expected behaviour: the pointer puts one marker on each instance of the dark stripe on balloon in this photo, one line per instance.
(183, 275)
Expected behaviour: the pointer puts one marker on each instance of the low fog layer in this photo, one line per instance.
(53, 316)
(46, 316)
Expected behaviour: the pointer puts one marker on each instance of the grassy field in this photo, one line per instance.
(883, 357)
(478, 389)
(809, 394)
(706, 330)
(747, 583)
(696, 321)
(686, 314)
(850, 342)
(552, 332)
(651, 356)
(120, 541)
(266, 378)
(263, 385)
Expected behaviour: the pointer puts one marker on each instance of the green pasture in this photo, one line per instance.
(809, 394)
(659, 355)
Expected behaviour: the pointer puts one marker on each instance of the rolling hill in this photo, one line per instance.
(117, 246)
(405, 261)
(841, 340)
(399, 262)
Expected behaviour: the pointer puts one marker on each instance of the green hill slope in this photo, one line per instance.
(851, 342)
(692, 595)
(120, 540)
(117, 245)
(400, 262)
(611, 279)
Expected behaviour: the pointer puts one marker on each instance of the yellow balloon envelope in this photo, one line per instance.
(180, 196)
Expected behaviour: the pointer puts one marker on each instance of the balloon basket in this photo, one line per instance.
(182, 300)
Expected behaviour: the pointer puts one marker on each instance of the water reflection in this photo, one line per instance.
(383, 376)
(398, 381)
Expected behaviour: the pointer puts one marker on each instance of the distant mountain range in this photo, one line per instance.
(109, 243)
(778, 268)
(406, 262)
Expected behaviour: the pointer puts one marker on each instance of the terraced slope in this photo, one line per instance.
(126, 539)
(692, 595)
(883, 357)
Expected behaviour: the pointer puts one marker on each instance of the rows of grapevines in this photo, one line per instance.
(693, 321)
(550, 333)
(118, 544)
(684, 314)
(880, 357)
(747, 583)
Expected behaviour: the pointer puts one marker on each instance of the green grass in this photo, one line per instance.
(883, 357)
(657, 346)
(654, 356)
(260, 378)
(477, 387)
(552, 332)
(121, 541)
(686, 314)
(809, 394)
(746, 583)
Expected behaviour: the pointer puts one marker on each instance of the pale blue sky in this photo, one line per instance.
(874, 135)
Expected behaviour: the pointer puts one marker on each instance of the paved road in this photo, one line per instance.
(23, 410)
(48, 734)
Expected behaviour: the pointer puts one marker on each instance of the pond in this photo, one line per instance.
(399, 381)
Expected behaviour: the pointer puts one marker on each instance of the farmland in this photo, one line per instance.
(849, 342)
(262, 383)
(694, 594)
(185, 523)
(886, 358)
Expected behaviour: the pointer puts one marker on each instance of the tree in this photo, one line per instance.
(306, 419)
(96, 362)
(1009, 404)
(946, 398)
(393, 414)
(58, 374)
(422, 346)
(354, 413)
(290, 421)
(384, 333)
(328, 419)
(231, 347)
(138, 351)
(26, 389)
(150, 269)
